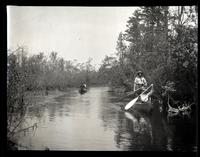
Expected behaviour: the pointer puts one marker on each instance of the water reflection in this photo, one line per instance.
(184, 135)
(139, 131)
(96, 121)
(134, 132)
(160, 130)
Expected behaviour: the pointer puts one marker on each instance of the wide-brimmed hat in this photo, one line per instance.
(139, 72)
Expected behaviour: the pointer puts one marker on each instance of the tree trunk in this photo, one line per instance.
(166, 55)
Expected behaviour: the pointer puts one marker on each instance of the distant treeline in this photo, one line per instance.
(162, 42)
(48, 72)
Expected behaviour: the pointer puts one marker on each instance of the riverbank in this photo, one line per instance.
(36, 98)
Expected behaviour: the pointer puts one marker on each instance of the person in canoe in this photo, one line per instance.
(140, 85)
(140, 82)
(83, 88)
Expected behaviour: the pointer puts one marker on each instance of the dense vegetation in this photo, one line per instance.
(160, 41)
(40, 73)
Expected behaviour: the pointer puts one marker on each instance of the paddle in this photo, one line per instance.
(131, 103)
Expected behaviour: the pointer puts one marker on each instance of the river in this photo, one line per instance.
(95, 121)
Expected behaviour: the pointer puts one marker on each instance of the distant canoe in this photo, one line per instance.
(83, 90)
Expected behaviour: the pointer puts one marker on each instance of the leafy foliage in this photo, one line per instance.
(39, 72)
(162, 42)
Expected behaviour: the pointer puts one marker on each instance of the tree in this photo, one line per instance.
(16, 86)
(162, 42)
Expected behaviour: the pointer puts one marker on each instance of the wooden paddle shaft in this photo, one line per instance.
(146, 89)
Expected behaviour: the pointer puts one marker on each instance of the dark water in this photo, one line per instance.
(96, 121)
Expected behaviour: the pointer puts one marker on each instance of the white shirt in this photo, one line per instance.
(140, 81)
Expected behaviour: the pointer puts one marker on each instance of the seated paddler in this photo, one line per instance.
(140, 85)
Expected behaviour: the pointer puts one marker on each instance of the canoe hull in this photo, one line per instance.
(82, 90)
(142, 106)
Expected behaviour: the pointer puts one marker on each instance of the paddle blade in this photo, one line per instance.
(131, 103)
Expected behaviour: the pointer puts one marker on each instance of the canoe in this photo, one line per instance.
(83, 90)
(142, 105)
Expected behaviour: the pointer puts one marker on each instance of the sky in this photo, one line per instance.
(74, 32)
